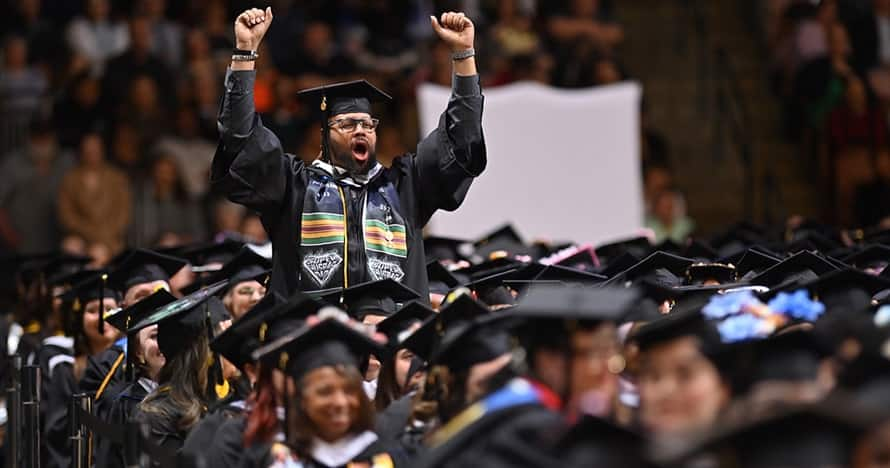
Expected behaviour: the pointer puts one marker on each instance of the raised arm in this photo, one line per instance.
(250, 166)
(450, 157)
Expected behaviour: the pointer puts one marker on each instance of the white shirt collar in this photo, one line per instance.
(342, 451)
(357, 181)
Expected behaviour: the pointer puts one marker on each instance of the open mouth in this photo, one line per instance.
(360, 150)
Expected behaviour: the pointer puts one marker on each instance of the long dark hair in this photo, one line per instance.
(183, 380)
(302, 430)
(262, 421)
(388, 387)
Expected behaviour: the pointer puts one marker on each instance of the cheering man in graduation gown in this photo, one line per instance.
(345, 219)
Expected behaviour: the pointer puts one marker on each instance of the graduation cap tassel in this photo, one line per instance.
(130, 374)
(102, 303)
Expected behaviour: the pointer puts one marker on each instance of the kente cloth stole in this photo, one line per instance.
(325, 228)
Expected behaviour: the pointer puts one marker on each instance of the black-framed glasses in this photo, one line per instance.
(349, 125)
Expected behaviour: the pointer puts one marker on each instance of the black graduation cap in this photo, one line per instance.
(504, 238)
(595, 441)
(872, 256)
(63, 265)
(794, 436)
(463, 308)
(801, 267)
(328, 343)
(830, 287)
(670, 246)
(755, 260)
(700, 272)
(700, 250)
(411, 313)
(341, 98)
(619, 264)
(636, 246)
(582, 260)
(90, 289)
(679, 324)
(144, 266)
(140, 310)
(665, 267)
(179, 321)
(792, 356)
(491, 289)
(447, 249)
(70, 279)
(240, 340)
(467, 344)
(376, 298)
(554, 303)
(441, 280)
(489, 267)
(539, 272)
(247, 265)
(208, 256)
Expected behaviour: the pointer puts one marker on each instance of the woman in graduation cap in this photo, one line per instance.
(184, 332)
(91, 299)
(330, 420)
(346, 219)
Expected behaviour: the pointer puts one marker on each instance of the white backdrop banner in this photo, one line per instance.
(562, 164)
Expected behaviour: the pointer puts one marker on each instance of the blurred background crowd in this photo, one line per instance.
(108, 108)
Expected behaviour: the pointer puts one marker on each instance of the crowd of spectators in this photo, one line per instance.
(831, 68)
(108, 108)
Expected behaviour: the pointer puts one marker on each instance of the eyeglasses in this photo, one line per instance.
(349, 125)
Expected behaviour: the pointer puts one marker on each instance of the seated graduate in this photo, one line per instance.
(330, 419)
(179, 402)
(515, 424)
(402, 375)
(144, 363)
(247, 273)
(91, 337)
(140, 274)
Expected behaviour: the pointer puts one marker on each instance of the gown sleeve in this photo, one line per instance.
(249, 167)
(56, 432)
(452, 155)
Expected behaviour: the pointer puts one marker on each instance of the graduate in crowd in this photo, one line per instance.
(90, 299)
(185, 328)
(370, 228)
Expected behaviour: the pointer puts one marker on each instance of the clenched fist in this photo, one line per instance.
(251, 26)
(455, 29)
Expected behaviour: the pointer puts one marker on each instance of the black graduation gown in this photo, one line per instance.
(391, 422)
(206, 431)
(515, 436)
(262, 457)
(108, 454)
(162, 431)
(56, 445)
(226, 449)
(251, 168)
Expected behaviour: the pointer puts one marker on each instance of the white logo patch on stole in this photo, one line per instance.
(322, 265)
(385, 270)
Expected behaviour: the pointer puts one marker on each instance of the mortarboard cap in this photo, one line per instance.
(800, 267)
(756, 261)
(247, 265)
(144, 266)
(504, 238)
(91, 289)
(328, 343)
(792, 356)
(462, 308)
(63, 265)
(343, 98)
(874, 256)
(376, 298)
(582, 260)
(467, 344)
(637, 246)
(414, 312)
(441, 280)
(140, 310)
(619, 264)
(179, 321)
(240, 340)
(698, 273)
(663, 266)
(447, 249)
(680, 324)
(577, 304)
(210, 256)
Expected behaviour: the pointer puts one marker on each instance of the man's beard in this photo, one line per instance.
(342, 157)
